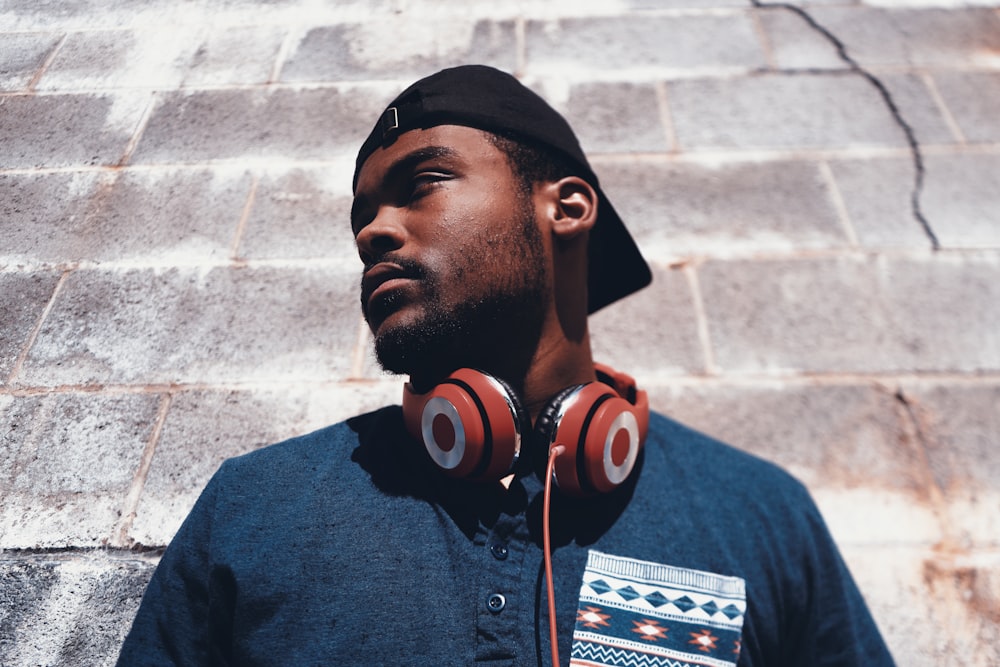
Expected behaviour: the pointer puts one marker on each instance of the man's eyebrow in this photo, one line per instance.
(402, 165)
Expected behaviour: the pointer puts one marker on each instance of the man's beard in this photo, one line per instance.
(500, 326)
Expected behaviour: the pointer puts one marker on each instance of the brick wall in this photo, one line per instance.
(818, 191)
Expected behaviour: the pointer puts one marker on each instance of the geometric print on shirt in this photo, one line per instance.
(635, 613)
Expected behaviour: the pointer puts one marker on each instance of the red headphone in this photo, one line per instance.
(472, 424)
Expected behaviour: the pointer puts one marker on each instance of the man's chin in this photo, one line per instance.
(407, 343)
(393, 323)
(397, 353)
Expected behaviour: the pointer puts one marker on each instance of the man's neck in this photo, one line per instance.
(552, 370)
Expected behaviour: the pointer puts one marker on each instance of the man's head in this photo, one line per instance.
(455, 262)
(480, 146)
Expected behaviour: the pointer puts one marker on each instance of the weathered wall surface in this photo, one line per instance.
(817, 188)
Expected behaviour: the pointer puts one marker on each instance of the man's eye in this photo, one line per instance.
(423, 182)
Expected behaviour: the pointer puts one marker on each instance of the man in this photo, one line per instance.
(415, 535)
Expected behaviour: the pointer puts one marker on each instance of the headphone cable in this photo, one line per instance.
(554, 451)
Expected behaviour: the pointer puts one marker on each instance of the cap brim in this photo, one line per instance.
(616, 268)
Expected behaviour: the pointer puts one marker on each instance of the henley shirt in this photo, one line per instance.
(347, 546)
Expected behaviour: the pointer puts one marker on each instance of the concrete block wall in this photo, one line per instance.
(817, 186)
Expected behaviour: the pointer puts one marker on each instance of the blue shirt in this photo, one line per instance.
(347, 546)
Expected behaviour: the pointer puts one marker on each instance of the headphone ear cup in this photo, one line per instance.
(612, 444)
(470, 424)
(602, 437)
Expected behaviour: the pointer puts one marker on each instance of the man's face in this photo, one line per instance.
(455, 264)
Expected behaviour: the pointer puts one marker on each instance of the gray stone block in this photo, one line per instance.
(25, 584)
(653, 333)
(234, 55)
(960, 424)
(68, 130)
(832, 436)
(642, 44)
(877, 196)
(23, 297)
(973, 99)
(961, 198)
(198, 325)
(55, 495)
(204, 427)
(116, 59)
(647, 5)
(772, 111)
(616, 118)
(850, 444)
(188, 55)
(161, 216)
(854, 315)
(258, 124)
(69, 610)
(403, 47)
(683, 208)
(28, 15)
(910, 588)
(917, 108)
(794, 44)
(301, 213)
(937, 37)
(21, 56)
(36, 207)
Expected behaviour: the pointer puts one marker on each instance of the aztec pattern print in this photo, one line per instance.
(636, 613)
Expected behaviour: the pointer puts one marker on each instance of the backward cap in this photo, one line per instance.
(488, 99)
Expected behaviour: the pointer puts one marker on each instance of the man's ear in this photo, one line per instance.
(573, 206)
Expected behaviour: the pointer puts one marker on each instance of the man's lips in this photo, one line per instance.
(381, 278)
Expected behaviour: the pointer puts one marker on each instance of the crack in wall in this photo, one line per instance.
(919, 431)
(911, 137)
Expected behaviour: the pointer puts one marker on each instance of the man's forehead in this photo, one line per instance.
(456, 142)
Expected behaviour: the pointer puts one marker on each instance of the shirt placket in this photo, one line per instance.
(504, 599)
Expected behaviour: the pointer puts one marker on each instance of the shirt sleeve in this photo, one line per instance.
(185, 616)
(837, 628)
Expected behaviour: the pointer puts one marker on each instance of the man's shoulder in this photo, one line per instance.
(704, 459)
(325, 445)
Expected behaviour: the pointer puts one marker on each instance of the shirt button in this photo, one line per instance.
(496, 602)
(499, 550)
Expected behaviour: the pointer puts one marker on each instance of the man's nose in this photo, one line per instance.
(385, 233)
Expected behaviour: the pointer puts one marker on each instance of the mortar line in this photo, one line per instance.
(314, 84)
(281, 57)
(788, 378)
(360, 347)
(348, 265)
(765, 42)
(946, 114)
(336, 264)
(149, 553)
(140, 129)
(44, 67)
(120, 534)
(30, 342)
(102, 553)
(180, 387)
(911, 138)
(666, 118)
(837, 197)
(241, 224)
(520, 45)
(701, 320)
(696, 156)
